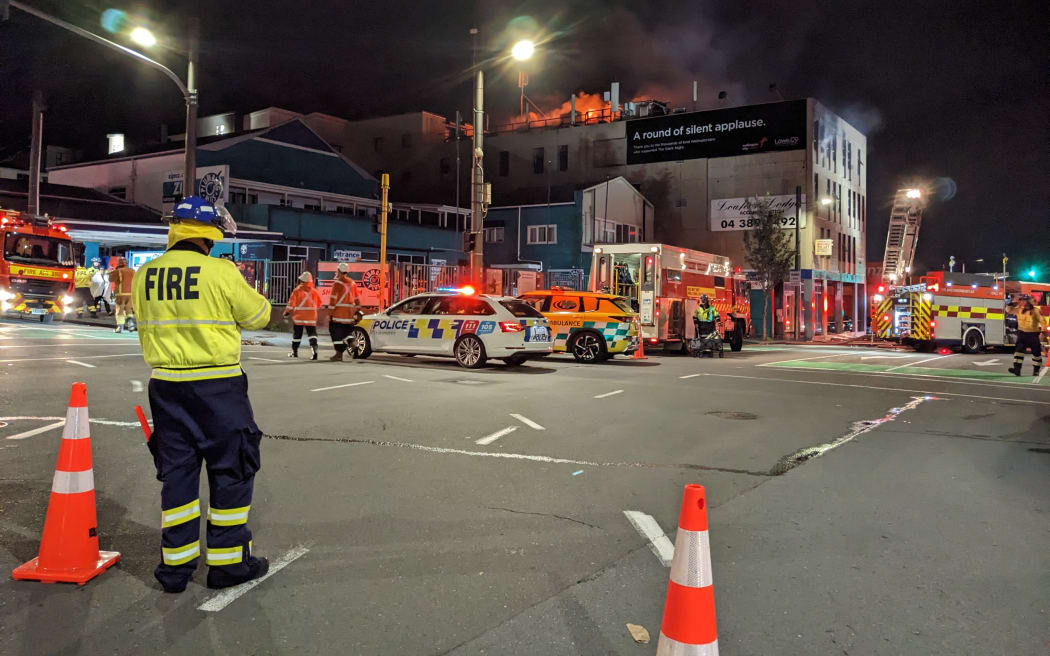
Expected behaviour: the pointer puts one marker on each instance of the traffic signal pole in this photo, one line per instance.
(384, 208)
(477, 185)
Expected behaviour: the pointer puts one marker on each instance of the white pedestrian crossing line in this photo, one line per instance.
(659, 543)
(403, 380)
(690, 376)
(230, 595)
(36, 431)
(528, 422)
(608, 394)
(82, 364)
(325, 389)
(489, 439)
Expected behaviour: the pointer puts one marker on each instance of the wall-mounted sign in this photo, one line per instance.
(717, 133)
(211, 185)
(823, 247)
(736, 214)
(343, 255)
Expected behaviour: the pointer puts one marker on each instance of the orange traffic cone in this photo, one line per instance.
(689, 613)
(69, 548)
(640, 353)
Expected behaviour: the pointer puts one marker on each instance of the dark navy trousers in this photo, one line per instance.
(207, 422)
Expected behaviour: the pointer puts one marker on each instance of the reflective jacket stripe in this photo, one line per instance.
(206, 373)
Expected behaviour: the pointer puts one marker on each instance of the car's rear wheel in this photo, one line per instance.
(360, 345)
(469, 352)
(587, 347)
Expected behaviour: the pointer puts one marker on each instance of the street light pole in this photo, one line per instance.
(477, 183)
(189, 167)
(188, 90)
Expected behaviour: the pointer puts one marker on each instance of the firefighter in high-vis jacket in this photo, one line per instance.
(343, 304)
(1030, 327)
(705, 320)
(190, 310)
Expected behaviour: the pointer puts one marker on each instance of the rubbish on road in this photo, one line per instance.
(577, 473)
(69, 547)
(689, 612)
(639, 633)
(142, 422)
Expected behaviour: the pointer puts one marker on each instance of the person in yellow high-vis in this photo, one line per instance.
(1030, 328)
(191, 309)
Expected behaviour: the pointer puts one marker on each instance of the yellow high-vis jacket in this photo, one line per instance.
(1027, 322)
(190, 308)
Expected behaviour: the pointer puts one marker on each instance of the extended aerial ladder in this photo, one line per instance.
(903, 234)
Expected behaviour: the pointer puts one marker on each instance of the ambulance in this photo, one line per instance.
(666, 282)
(954, 309)
(36, 267)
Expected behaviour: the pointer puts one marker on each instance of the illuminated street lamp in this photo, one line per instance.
(143, 37)
(914, 193)
(523, 50)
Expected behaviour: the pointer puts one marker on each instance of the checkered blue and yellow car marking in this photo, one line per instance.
(428, 329)
(617, 334)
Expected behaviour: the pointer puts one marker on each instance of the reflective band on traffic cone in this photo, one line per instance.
(69, 547)
(688, 627)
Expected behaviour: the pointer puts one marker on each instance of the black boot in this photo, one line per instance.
(1035, 370)
(314, 356)
(1016, 369)
(257, 567)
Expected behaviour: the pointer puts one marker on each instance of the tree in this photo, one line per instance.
(767, 248)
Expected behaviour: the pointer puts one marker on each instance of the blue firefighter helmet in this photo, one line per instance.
(195, 208)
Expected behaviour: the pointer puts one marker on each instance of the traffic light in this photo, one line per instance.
(376, 227)
(470, 241)
(1032, 273)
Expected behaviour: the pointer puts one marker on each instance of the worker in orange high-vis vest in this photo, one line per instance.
(120, 279)
(303, 306)
(343, 305)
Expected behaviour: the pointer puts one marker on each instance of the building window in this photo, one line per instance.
(494, 235)
(406, 140)
(238, 196)
(816, 190)
(377, 144)
(446, 166)
(119, 192)
(849, 159)
(504, 163)
(563, 157)
(537, 160)
(542, 234)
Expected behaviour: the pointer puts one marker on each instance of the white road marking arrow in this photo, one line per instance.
(988, 363)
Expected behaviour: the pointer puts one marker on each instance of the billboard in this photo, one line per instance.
(717, 133)
(212, 185)
(734, 214)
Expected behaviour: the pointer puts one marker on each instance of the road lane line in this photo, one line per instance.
(36, 431)
(266, 359)
(912, 364)
(873, 387)
(230, 595)
(84, 357)
(136, 386)
(1039, 379)
(403, 380)
(82, 364)
(647, 526)
(489, 439)
(608, 394)
(528, 422)
(817, 357)
(324, 389)
(690, 376)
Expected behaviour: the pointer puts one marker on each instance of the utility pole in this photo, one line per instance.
(459, 122)
(189, 169)
(798, 259)
(35, 149)
(477, 184)
(384, 209)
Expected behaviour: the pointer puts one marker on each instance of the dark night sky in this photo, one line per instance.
(948, 91)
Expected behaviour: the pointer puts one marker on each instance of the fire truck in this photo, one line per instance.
(954, 309)
(36, 266)
(666, 282)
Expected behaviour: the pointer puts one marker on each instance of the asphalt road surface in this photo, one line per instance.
(861, 502)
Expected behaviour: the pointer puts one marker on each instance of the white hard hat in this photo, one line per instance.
(305, 276)
(343, 267)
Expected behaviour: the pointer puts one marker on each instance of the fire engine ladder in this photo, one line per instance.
(903, 235)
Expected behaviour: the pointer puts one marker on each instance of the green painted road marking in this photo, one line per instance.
(988, 376)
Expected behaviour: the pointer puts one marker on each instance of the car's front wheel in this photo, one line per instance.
(469, 352)
(360, 345)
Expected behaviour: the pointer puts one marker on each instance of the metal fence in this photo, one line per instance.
(281, 278)
(573, 279)
(411, 279)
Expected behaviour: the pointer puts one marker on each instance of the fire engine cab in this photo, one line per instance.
(666, 283)
(36, 266)
(954, 309)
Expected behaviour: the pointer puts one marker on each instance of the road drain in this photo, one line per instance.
(726, 414)
(858, 428)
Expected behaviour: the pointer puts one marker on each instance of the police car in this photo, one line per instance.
(458, 323)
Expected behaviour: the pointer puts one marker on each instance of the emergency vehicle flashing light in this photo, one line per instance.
(882, 288)
(466, 290)
(944, 350)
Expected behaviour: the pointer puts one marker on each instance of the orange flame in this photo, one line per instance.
(590, 108)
